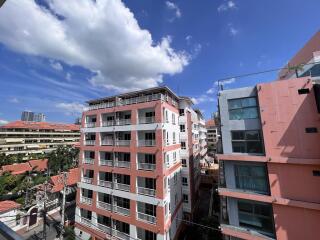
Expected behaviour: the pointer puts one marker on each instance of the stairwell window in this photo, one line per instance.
(247, 142)
(243, 108)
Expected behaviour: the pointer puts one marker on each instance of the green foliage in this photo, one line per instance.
(62, 159)
(69, 233)
(20, 200)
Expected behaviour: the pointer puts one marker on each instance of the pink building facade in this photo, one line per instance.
(131, 167)
(270, 169)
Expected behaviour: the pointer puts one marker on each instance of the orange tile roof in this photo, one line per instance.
(41, 125)
(210, 123)
(73, 176)
(18, 168)
(40, 165)
(8, 205)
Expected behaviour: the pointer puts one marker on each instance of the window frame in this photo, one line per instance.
(243, 107)
(245, 141)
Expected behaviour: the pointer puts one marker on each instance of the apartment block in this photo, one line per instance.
(131, 179)
(212, 136)
(22, 137)
(270, 166)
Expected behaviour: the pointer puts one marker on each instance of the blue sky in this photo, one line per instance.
(55, 57)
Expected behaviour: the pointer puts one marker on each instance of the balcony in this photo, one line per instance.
(90, 125)
(146, 217)
(121, 210)
(88, 161)
(123, 142)
(89, 142)
(146, 191)
(107, 142)
(104, 205)
(121, 122)
(86, 221)
(106, 184)
(146, 166)
(122, 164)
(147, 120)
(87, 180)
(86, 200)
(104, 228)
(120, 235)
(108, 123)
(121, 186)
(104, 162)
(147, 143)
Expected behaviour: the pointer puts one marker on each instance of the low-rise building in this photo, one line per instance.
(36, 137)
(9, 214)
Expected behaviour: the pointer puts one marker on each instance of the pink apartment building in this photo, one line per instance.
(270, 166)
(131, 168)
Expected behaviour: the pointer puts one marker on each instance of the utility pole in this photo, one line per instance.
(64, 180)
(45, 212)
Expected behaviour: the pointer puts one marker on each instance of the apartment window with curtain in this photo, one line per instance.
(252, 177)
(247, 142)
(257, 216)
(243, 108)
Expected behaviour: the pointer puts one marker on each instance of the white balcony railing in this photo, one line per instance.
(123, 142)
(86, 221)
(121, 122)
(106, 184)
(90, 142)
(122, 164)
(86, 180)
(146, 191)
(88, 160)
(146, 166)
(104, 162)
(145, 120)
(86, 200)
(104, 205)
(120, 235)
(90, 124)
(147, 143)
(107, 142)
(108, 123)
(146, 217)
(104, 228)
(121, 186)
(121, 210)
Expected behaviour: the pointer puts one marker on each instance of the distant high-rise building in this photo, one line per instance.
(29, 116)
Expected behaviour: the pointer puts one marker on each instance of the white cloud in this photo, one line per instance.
(232, 30)
(3, 122)
(202, 99)
(229, 5)
(174, 7)
(102, 36)
(188, 39)
(68, 76)
(14, 100)
(225, 82)
(56, 65)
(71, 108)
(210, 90)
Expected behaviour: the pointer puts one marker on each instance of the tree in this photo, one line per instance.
(62, 159)
(69, 233)
(296, 69)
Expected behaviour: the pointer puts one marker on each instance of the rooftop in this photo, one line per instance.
(210, 123)
(20, 168)
(8, 205)
(72, 179)
(41, 125)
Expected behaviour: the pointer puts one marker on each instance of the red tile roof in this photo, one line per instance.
(42, 125)
(18, 168)
(40, 165)
(8, 205)
(210, 122)
(72, 179)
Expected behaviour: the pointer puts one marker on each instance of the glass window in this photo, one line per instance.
(243, 108)
(185, 198)
(247, 142)
(184, 162)
(182, 128)
(183, 145)
(253, 178)
(257, 216)
(181, 112)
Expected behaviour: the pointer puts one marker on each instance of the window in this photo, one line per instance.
(185, 181)
(182, 128)
(185, 198)
(257, 216)
(183, 145)
(174, 156)
(253, 178)
(173, 119)
(167, 118)
(145, 234)
(243, 108)
(184, 162)
(181, 112)
(175, 178)
(247, 142)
